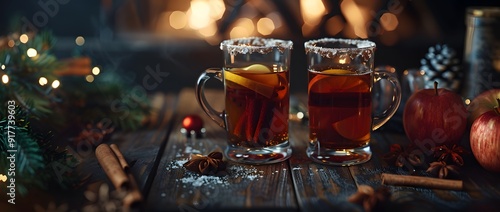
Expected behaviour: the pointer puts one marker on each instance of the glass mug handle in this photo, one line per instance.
(387, 73)
(215, 115)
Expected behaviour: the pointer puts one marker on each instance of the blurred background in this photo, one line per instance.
(181, 38)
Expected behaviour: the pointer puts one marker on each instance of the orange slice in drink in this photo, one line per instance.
(337, 80)
(353, 128)
(256, 77)
(263, 74)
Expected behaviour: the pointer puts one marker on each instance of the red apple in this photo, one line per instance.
(434, 117)
(482, 103)
(485, 139)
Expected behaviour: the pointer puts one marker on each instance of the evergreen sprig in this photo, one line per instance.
(24, 72)
(35, 154)
(107, 98)
(41, 162)
(28, 156)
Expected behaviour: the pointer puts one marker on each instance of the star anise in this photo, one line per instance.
(206, 165)
(369, 198)
(442, 170)
(454, 154)
(400, 156)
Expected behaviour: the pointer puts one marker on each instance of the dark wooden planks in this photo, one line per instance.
(140, 148)
(244, 187)
(316, 185)
(369, 174)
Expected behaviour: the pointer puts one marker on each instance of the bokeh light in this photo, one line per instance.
(178, 19)
(389, 21)
(89, 78)
(199, 14)
(31, 52)
(5, 79)
(96, 70)
(80, 41)
(11, 43)
(43, 81)
(23, 38)
(56, 84)
(243, 28)
(265, 26)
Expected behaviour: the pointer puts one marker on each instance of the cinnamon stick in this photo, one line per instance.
(260, 124)
(109, 162)
(239, 128)
(424, 182)
(134, 196)
(253, 107)
(120, 157)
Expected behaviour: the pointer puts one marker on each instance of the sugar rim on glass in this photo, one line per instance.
(359, 46)
(250, 45)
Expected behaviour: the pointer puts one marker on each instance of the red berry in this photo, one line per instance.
(192, 122)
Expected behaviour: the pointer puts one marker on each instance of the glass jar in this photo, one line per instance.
(482, 51)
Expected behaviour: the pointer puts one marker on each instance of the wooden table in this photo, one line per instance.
(157, 152)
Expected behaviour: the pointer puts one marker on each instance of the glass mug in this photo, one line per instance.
(341, 77)
(256, 88)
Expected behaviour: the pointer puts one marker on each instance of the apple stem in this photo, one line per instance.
(436, 87)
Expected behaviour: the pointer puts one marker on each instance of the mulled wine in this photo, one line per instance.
(340, 106)
(257, 102)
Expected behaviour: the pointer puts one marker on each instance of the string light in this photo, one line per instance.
(80, 41)
(11, 43)
(43, 81)
(89, 78)
(31, 52)
(3, 67)
(23, 38)
(5, 79)
(96, 70)
(300, 115)
(56, 83)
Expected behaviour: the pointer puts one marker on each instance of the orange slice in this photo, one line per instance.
(337, 80)
(259, 73)
(256, 77)
(353, 128)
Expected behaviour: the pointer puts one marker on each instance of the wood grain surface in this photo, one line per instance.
(157, 152)
(244, 186)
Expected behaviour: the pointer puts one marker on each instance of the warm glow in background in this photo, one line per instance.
(215, 20)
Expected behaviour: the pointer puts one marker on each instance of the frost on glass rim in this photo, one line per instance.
(255, 44)
(358, 47)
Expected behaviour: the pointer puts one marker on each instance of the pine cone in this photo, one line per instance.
(442, 65)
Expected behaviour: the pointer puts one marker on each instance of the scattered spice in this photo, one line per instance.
(443, 159)
(206, 165)
(442, 170)
(399, 156)
(371, 199)
(454, 154)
